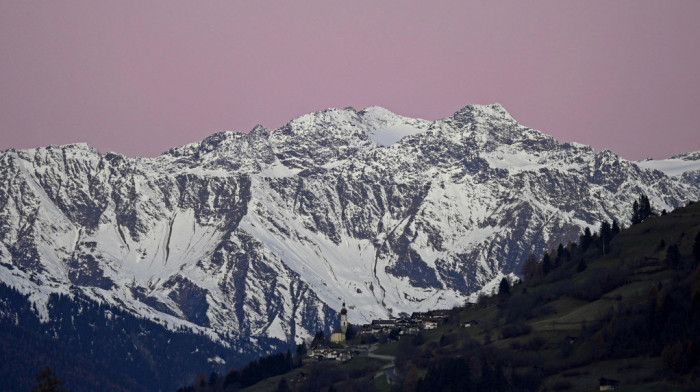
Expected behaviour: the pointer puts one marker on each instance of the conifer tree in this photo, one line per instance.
(319, 339)
(635, 213)
(586, 239)
(562, 255)
(301, 349)
(605, 235)
(529, 269)
(641, 209)
(48, 382)
(615, 228)
(645, 207)
(504, 289)
(282, 385)
(546, 264)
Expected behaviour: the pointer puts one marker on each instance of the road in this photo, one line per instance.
(388, 369)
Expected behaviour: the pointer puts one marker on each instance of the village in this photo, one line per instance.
(338, 348)
(366, 338)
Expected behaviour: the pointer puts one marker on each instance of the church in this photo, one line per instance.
(339, 336)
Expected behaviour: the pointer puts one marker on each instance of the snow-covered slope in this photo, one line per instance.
(676, 165)
(266, 233)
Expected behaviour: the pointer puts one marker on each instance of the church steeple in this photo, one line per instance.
(344, 319)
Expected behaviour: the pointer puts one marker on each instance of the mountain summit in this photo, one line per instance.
(264, 234)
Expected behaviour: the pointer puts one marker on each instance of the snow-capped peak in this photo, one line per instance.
(386, 128)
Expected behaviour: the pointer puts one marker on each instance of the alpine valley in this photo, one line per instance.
(245, 243)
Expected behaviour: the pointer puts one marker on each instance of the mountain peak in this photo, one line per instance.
(377, 111)
(386, 128)
(495, 110)
(259, 130)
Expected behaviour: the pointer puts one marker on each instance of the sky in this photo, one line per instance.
(139, 77)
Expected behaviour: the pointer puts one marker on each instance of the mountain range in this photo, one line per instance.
(264, 234)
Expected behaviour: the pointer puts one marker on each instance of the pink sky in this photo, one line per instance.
(139, 77)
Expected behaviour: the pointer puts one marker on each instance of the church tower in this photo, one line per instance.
(344, 319)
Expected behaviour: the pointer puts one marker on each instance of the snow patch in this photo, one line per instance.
(392, 134)
(670, 167)
(276, 330)
(217, 359)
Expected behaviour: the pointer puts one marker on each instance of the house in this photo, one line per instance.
(317, 352)
(403, 323)
(331, 354)
(414, 330)
(470, 323)
(366, 330)
(430, 324)
(418, 316)
(343, 355)
(338, 355)
(439, 314)
(321, 353)
(607, 384)
(384, 323)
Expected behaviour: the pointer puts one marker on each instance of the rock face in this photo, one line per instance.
(264, 234)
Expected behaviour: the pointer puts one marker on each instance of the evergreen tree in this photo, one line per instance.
(572, 248)
(662, 244)
(504, 289)
(635, 213)
(48, 382)
(615, 228)
(282, 386)
(645, 207)
(301, 349)
(201, 382)
(641, 209)
(213, 378)
(586, 239)
(319, 339)
(562, 255)
(529, 269)
(350, 332)
(546, 264)
(696, 248)
(233, 377)
(605, 236)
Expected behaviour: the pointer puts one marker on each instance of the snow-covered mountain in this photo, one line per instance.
(264, 234)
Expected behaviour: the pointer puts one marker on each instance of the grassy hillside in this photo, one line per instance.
(625, 307)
